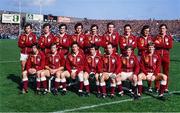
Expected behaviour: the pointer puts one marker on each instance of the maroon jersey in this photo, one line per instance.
(26, 41)
(111, 38)
(55, 61)
(130, 64)
(63, 42)
(75, 62)
(45, 42)
(111, 63)
(150, 63)
(93, 39)
(79, 39)
(163, 44)
(142, 44)
(93, 63)
(36, 61)
(127, 41)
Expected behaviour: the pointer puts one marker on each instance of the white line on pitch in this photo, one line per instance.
(109, 103)
(9, 61)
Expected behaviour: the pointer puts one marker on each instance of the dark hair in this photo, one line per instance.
(63, 25)
(78, 24)
(86, 31)
(163, 25)
(35, 44)
(144, 27)
(74, 43)
(53, 44)
(27, 24)
(110, 23)
(94, 46)
(151, 44)
(94, 25)
(127, 47)
(127, 25)
(46, 24)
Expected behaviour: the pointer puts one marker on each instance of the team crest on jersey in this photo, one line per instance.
(89, 38)
(142, 42)
(57, 40)
(32, 59)
(147, 59)
(57, 60)
(30, 38)
(38, 59)
(96, 60)
(49, 39)
(64, 40)
(106, 60)
(124, 61)
(78, 59)
(113, 37)
(113, 60)
(96, 39)
(24, 38)
(130, 40)
(89, 60)
(81, 39)
(131, 61)
(124, 40)
(166, 39)
(154, 60)
(159, 39)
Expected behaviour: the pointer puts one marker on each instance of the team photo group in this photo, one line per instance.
(89, 58)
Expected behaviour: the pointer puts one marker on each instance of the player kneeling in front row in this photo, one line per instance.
(74, 66)
(129, 69)
(111, 68)
(150, 67)
(54, 66)
(35, 65)
(93, 66)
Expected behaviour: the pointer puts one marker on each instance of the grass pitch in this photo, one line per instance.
(12, 101)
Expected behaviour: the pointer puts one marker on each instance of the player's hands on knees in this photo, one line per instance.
(32, 71)
(52, 71)
(113, 76)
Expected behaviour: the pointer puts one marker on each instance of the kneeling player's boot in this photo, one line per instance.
(98, 95)
(112, 96)
(150, 89)
(87, 94)
(121, 93)
(55, 92)
(38, 91)
(24, 91)
(166, 90)
(104, 95)
(80, 93)
(45, 91)
(63, 92)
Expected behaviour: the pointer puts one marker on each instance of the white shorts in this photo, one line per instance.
(126, 75)
(149, 76)
(23, 57)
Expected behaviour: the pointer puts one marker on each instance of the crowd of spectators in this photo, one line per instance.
(11, 31)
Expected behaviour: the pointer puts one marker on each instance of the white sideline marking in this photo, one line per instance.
(109, 103)
(98, 105)
(9, 61)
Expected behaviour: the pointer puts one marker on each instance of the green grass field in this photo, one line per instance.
(12, 101)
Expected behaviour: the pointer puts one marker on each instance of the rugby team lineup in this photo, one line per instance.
(108, 59)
